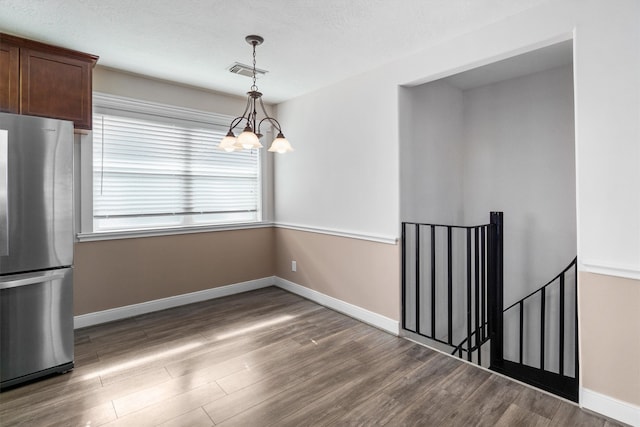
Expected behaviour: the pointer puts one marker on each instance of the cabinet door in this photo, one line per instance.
(56, 86)
(9, 78)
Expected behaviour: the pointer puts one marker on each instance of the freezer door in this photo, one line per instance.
(36, 324)
(36, 193)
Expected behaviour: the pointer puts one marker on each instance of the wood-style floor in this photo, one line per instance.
(271, 358)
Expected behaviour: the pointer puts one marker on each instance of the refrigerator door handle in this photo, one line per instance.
(4, 192)
(30, 279)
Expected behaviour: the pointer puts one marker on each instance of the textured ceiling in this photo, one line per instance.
(308, 43)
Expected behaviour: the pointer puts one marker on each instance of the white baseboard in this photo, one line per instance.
(358, 313)
(118, 313)
(610, 407)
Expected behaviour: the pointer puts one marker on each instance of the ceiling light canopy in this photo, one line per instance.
(250, 136)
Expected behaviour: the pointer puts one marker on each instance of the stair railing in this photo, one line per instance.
(480, 316)
(425, 238)
(560, 278)
(560, 382)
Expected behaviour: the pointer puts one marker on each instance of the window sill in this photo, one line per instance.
(154, 232)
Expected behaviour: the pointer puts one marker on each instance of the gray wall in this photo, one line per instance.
(507, 146)
(432, 158)
(519, 159)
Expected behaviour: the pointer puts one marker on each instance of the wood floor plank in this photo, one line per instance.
(272, 383)
(273, 410)
(171, 408)
(21, 398)
(195, 418)
(381, 372)
(94, 395)
(300, 359)
(464, 381)
(221, 362)
(96, 415)
(488, 402)
(538, 402)
(572, 416)
(517, 416)
(431, 408)
(409, 387)
(268, 357)
(379, 410)
(158, 393)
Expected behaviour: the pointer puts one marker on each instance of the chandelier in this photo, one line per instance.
(250, 136)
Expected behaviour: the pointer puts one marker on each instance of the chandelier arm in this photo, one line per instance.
(235, 122)
(273, 121)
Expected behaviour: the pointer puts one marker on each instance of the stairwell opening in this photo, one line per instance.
(499, 138)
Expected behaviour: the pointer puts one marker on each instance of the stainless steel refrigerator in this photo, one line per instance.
(36, 248)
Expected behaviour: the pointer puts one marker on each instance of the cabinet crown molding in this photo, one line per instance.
(57, 50)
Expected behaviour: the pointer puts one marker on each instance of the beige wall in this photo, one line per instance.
(360, 272)
(120, 83)
(610, 335)
(115, 273)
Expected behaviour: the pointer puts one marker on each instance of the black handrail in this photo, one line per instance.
(459, 348)
(444, 225)
(560, 279)
(567, 268)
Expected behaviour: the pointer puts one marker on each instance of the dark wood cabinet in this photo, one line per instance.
(9, 79)
(43, 80)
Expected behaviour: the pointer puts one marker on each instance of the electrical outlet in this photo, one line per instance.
(294, 266)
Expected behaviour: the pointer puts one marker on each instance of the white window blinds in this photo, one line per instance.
(150, 173)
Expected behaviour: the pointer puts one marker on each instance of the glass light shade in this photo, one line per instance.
(280, 145)
(228, 143)
(247, 139)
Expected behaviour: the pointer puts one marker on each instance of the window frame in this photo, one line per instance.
(167, 113)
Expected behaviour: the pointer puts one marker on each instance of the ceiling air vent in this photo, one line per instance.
(245, 70)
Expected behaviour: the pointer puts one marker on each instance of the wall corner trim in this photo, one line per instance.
(358, 313)
(118, 313)
(610, 407)
(608, 269)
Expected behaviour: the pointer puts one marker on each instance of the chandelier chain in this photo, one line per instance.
(254, 86)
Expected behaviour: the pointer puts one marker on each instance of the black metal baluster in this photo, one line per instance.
(476, 256)
(449, 288)
(561, 334)
(433, 281)
(469, 294)
(418, 278)
(404, 276)
(521, 330)
(575, 329)
(543, 296)
(495, 280)
(483, 284)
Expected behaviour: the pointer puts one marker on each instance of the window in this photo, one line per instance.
(155, 170)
